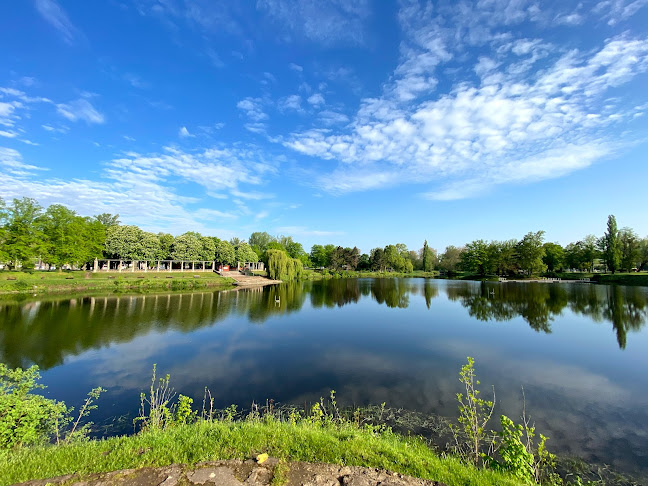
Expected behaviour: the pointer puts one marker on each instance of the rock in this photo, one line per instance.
(237, 473)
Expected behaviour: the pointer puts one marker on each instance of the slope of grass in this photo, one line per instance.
(343, 444)
(39, 282)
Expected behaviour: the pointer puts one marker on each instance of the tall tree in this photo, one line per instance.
(225, 253)
(450, 258)
(611, 246)
(166, 245)
(260, 240)
(318, 256)
(629, 247)
(124, 242)
(207, 248)
(107, 220)
(187, 247)
(427, 257)
(554, 256)
(475, 257)
(4, 214)
(530, 252)
(24, 238)
(643, 254)
(245, 253)
(590, 252)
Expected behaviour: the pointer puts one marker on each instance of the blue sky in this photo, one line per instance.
(353, 123)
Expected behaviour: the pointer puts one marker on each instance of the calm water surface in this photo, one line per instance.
(579, 350)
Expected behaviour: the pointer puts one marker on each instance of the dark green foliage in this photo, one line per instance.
(611, 245)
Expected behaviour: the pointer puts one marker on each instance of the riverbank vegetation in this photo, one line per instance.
(56, 237)
(42, 438)
(38, 283)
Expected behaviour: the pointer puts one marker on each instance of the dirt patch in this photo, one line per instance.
(237, 473)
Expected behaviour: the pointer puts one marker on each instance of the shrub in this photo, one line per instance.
(26, 418)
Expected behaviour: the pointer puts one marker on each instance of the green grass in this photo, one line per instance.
(38, 282)
(343, 444)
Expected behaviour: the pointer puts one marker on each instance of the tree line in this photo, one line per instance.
(58, 236)
(616, 250)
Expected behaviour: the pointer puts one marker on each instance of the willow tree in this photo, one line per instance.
(282, 267)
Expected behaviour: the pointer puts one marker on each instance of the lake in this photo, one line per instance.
(579, 350)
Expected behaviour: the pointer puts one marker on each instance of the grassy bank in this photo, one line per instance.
(79, 281)
(213, 440)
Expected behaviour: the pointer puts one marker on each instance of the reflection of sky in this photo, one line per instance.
(581, 389)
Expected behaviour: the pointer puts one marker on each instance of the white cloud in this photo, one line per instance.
(135, 81)
(8, 134)
(56, 16)
(616, 11)
(328, 117)
(184, 133)
(80, 109)
(316, 99)
(518, 124)
(253, 108)
(137, 181)
(290, 103)
(295, 67)
(336, 22)
(13, 165)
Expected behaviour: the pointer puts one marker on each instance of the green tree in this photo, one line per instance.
(124, 242)
(428, 258)
(225, 253)
(590, 251)
(207, 251)
(318, 256)
(23, 237)
(337, 258)
(259, 241)
(611, 245)
(629, 246)
(475, 257)
(4, 214)
(450, 259)
(553, 257)
(643, 254)
(282, 267)
(150, 247)
(62, 240)
(245, 253)
(378, 261)
(187, 247)
(166, 245)
(107, 220)
(364, 262)
(530, 252)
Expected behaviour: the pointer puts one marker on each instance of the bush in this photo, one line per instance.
(26, 418)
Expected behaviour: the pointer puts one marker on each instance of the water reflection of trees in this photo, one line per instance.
(45, 332)
(337, 292)
(625, 307)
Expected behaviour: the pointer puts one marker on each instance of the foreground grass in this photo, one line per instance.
(39, 282)
(214, 440)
